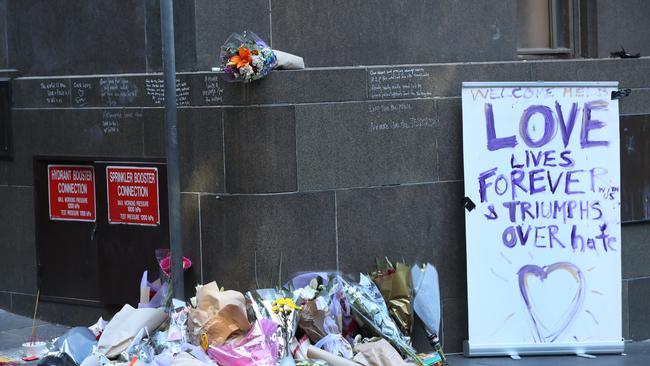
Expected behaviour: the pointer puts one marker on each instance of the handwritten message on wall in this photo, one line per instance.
(541, 164)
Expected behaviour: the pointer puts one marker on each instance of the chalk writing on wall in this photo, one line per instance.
(117, 91)
(212, 93)
(112, 119)
(55, 92)
(397, 116)
(81, 90)
(155, 89)
(398, 83)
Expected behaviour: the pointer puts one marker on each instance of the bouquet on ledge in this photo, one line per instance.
(246, 57)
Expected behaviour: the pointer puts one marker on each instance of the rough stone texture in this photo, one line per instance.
(635, 256)
(396, 32)
(249, 239)
(17, 241)
(191, 237)
(631, 73)
(366, 144)
(5, 300)
(62, 37)
(184, 35)
(638, 303)
(418, 222)
(201, 150)
(4, 57)
(626, 310)
(454, 324)
(450, 139)
(304, 86)
(90, 132)
(217, 19)
(638, 102)
(623, 23)
(260, 149)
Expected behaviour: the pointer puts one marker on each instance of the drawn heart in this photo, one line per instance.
(541, 332)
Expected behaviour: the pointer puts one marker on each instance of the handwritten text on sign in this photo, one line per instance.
(542, 165)
(133, 195)
(71, 192)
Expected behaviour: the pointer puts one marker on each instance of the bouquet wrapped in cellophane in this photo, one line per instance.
(394, 283)
(246, 57)
(369, 307)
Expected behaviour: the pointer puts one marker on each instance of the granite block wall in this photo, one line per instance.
(315, 169)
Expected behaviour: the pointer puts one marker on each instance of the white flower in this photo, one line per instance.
(258, 62)
(306, 293)
(246, 72)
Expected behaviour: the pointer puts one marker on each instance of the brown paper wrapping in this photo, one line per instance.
(379, 353)
(395, 288)
(218, 314)
(311, 321)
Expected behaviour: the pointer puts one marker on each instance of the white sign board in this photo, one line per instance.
(544, 241)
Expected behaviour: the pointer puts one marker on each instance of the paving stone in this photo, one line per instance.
(366, 144)
(258, 241)
(423, 222)
(17, 241)
(9, 321)
(260, 149)
(8, 340)
(395, 32)
(638, 303)
(43, 332)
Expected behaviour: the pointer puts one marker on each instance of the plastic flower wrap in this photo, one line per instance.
(394, 283)
(246, 57)
(261, 303)
(369, 306)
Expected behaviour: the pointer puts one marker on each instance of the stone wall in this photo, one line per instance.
(303, 170)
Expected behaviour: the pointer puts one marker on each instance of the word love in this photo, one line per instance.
(552, 122)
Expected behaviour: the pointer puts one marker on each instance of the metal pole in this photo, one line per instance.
(173, 175)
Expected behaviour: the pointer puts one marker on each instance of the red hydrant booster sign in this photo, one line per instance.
(132, 195)
(71, 192)
(541, 163)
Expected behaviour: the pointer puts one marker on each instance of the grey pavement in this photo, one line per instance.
(16, 329)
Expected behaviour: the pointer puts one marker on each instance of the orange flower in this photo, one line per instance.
(243, 59)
